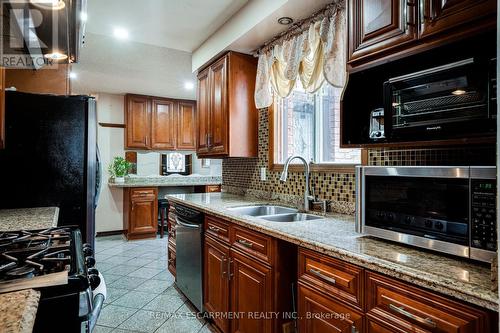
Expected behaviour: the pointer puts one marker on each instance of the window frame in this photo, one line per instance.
(314, 167)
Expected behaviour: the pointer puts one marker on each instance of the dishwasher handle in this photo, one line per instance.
(187, 225)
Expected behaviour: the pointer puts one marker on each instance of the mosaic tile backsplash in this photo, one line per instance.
(242, 175)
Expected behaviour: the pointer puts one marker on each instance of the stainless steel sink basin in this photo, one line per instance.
(291, 217)
(262, 210)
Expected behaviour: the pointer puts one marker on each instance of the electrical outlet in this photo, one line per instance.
(263, 174)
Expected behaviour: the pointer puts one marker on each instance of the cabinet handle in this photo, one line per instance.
(409, 9)
(171, 261)
(245, 243)
(353, 329)
(229, 266)
(322, 276)
(401, 310)
(214, 229)
(222, 265)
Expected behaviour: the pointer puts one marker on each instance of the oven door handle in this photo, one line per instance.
(98, 302)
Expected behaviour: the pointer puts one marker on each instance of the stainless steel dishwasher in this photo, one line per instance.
(189, 254)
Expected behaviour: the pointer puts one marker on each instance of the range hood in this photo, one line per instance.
(38, 30)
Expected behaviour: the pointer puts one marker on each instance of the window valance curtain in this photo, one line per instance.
(312, 56)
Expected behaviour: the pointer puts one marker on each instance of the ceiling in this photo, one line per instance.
(181, 24)
(108, 65)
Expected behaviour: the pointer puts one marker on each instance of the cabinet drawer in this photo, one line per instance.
(335, 277)
(143, 192)
(255, 244)
(319, 313)
(217, 229)
(409, 309)
(171, 258)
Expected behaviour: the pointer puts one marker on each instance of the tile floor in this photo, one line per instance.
(141, 292)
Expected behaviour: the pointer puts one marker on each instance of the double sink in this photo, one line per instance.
(274, 213)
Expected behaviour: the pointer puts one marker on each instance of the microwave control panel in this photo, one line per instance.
(484, 220)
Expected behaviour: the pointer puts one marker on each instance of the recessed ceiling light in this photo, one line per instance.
(285, 20)
(120, 33)
(56, 56)
(49, 4)
(189, 85)
(459, 92)
(73, 75)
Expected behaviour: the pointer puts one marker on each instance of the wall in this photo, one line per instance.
(242, 175)
(109, 212)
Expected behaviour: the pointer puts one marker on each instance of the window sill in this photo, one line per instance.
(317, 167)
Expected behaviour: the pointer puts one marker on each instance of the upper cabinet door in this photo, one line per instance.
(163, 129)
(437, 16)
(219, 122)
(138, 126)
(380, 25)
(186, 126)
(203, 111)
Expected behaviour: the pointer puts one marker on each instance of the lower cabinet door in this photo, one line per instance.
(143, 216)
(373, 326)
(171, 258)
(321, 314)
(216, 282)
(251, 295)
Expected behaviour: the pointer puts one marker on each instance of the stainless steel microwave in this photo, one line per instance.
(446, 209)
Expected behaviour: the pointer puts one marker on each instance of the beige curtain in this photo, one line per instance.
(315, 55)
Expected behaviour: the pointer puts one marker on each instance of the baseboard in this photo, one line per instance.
(109, 233)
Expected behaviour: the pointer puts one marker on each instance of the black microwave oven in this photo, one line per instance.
(456, 100)
(445, 209)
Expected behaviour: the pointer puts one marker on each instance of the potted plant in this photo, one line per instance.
(118, 169)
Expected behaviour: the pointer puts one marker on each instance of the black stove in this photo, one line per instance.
(29, 254)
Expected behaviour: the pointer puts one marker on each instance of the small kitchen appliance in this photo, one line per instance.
(377, 124)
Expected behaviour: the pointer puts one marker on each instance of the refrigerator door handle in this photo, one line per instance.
(98, 177)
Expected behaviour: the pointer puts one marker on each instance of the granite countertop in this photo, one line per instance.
(336, 237)
(28, 218)
(18, 311)
(159, 181)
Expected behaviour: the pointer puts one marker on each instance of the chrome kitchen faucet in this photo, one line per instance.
(284, 176)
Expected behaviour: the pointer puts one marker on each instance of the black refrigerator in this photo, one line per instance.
(51, 157)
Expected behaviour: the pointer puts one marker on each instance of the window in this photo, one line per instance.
(309, 125)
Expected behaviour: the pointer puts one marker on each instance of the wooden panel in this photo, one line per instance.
(251, 293)
(163, 124)
(2, 108)
(171, 259)
(141, 212)
(410, 309)
(438, 16)
(380, 25)
(216, 282)
(186, 126)
(141, 192)
(203, 114)
(320, 314)
(373, 326)
(219, 122)
(217, 228)
(257, 245)
(49, 80)
(332, 276)
(138, 121)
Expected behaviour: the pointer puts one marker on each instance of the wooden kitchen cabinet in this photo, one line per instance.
(227, 117)
(186, 126)
(216, 281)
(384, 30)
(163, 126)
(321, 314)
(140, 212)
(138, 121)
(237, 281)
(2, 107)
(445, 16)
(159, 123)
(380, 25)
(171, 244)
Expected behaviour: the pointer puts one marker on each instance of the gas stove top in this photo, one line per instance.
(26, 254)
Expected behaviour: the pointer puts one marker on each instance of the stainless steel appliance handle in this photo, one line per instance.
(401, 310)
(322, 276)
(96, 310)
(187, 225)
